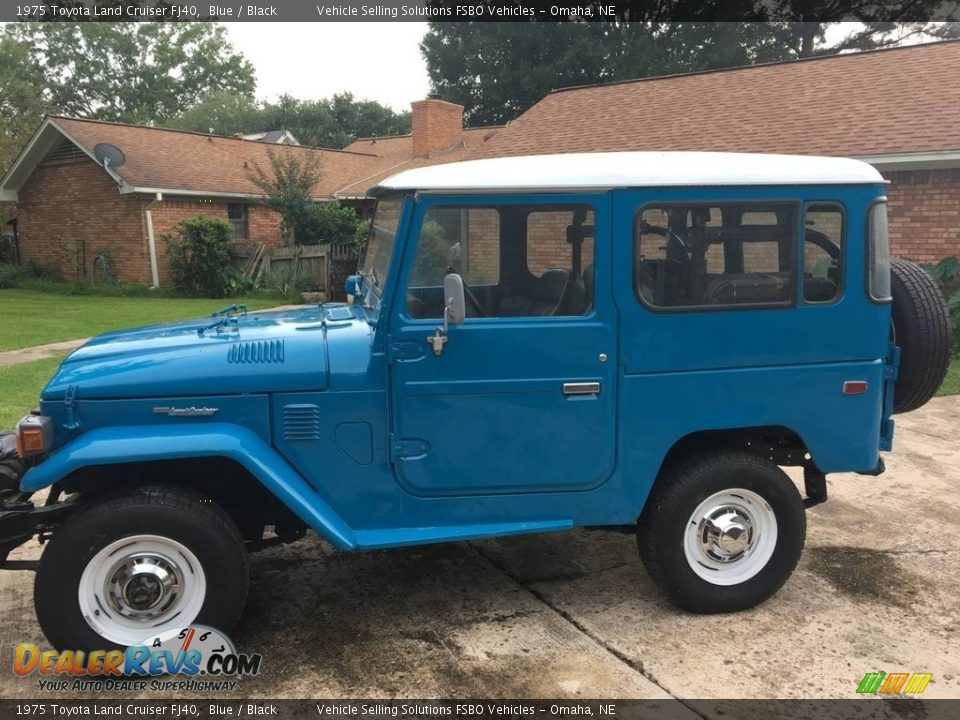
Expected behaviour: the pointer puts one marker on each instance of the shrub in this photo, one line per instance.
(947, 274)
(328, 223)
(287, 280)
(10, 276)
(41, 271)
(200, 257)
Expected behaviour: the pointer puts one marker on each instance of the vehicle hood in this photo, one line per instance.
(280, 351)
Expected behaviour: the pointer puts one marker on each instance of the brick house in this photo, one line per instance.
(898, 109)
(69, 206)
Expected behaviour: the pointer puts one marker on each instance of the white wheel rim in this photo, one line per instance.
(730, 537)
(140, 586)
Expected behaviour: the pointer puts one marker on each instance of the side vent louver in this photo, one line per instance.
(301, 422)
(256, 351)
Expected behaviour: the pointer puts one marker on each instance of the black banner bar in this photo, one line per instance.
(479, 709)
(481, 10)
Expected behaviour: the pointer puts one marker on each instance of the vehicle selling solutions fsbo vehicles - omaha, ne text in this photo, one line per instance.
(532, 344)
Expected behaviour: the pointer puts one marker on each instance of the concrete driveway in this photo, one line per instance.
(574, 614)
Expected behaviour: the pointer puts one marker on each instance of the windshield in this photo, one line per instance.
(380, 242)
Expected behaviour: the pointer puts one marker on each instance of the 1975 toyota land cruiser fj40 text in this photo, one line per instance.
(532, 344)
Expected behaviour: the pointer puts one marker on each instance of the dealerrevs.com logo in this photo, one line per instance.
(196, 657)
(881, 683)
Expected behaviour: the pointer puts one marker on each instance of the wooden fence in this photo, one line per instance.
(326, 267)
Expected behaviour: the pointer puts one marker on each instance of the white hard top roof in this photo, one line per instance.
(631, 169)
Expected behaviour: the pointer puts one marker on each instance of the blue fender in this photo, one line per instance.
(112, 445)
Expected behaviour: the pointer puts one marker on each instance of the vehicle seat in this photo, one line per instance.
(748, 288)
(552, 292)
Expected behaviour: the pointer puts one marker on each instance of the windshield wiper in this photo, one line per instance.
(222, 324)
(235, 309)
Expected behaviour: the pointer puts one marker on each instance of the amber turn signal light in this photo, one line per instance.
(34, 435)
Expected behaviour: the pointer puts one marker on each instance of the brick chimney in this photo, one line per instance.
(437, 125)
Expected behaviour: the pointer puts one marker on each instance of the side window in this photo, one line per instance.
(878, 248)
(724, 255)
(515, 260)
(463, 239)
(823, 250)
(548, 245)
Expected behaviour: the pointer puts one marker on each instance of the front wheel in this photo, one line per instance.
(137, 565)
(721, 531)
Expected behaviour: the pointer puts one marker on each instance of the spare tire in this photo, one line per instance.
(921, 328)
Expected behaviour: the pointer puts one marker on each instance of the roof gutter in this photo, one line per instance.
(932, 160)
(130, 190)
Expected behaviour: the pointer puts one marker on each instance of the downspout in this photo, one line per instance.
(151, 241)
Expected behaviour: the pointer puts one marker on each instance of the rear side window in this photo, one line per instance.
(878, 253)
(715, 256)
(823, 249)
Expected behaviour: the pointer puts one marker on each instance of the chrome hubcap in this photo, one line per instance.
(726, 533)
(730, 537)
(143, 586)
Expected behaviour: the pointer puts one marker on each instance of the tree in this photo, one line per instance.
(330, 122)
(499, 70)
(288, 185)
(221, 112)
(133, 72)
(21, 98)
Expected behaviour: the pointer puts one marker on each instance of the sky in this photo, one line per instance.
(374, 61)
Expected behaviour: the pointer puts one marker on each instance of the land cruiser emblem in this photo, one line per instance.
(186, 411)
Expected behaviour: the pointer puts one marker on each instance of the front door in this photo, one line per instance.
(522, 396)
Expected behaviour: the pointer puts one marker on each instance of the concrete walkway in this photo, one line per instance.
(39, 352)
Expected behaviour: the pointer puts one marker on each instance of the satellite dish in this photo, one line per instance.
(109, 155)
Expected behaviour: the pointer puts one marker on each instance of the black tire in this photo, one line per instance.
(202, 527)
(11, 466)
(678, 492)
(921, 328)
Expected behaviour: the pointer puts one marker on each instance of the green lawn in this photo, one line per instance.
(30, 317)
(951, 383)
(20, 387)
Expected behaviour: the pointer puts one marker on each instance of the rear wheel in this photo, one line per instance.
(138, 565)
(721, 531)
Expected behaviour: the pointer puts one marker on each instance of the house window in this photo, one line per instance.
(237, 215)
(712, 256)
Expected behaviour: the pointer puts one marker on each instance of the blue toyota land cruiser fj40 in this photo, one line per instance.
(534, 344)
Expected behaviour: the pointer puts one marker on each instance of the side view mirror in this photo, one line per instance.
(454, 311)
(455, 306)
(352, 285)
(453, 256)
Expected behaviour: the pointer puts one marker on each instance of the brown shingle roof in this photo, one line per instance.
(397, 154)
(178, 160)
(871, 103)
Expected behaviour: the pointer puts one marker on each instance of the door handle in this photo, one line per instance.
(581, 388)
